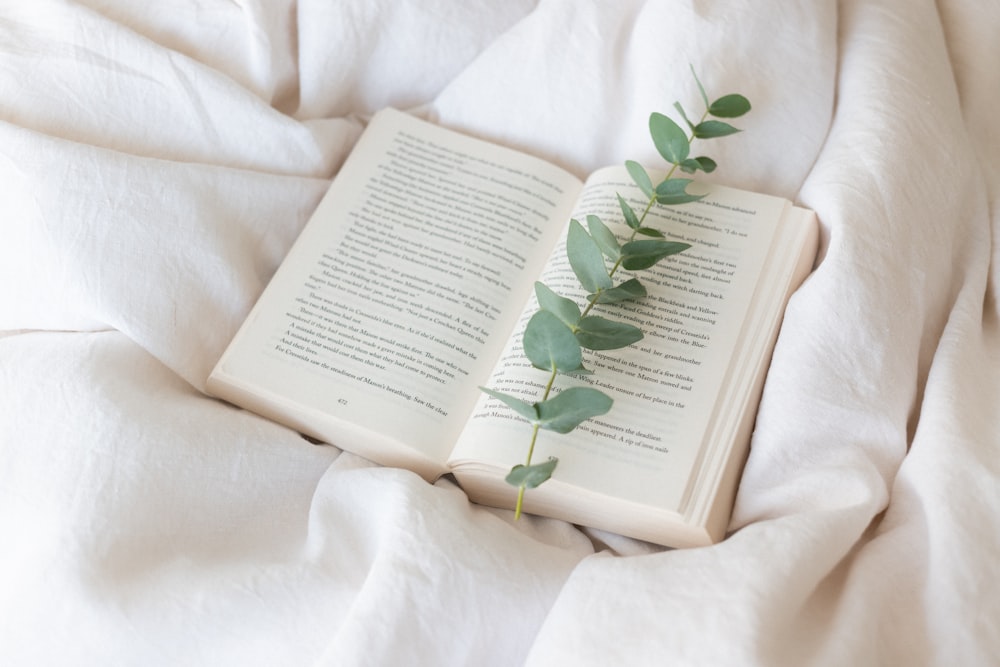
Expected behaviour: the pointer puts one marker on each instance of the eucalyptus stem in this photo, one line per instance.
(531, 447)
(558, 333)
(631, 237)
(521, 489)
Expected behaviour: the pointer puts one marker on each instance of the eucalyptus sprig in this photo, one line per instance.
(557, 334)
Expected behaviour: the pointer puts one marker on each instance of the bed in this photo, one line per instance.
(158, 159)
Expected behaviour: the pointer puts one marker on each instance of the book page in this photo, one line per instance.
(398, 297)
(664, 387)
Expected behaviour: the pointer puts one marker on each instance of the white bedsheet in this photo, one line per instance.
(156, 161)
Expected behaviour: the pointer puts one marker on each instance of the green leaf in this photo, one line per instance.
(672, 192)
(631, 219)
(711, 129)
(644, 254)
(689, 166)
(571, 407)
(604, 238)
(627, 291)
(641, 178)
(668, 137)
(550, 345)
(708, 165)
(523, 408)
(565, 309)
(729, 106)
(701, 88)
(598, 333)
(586, 259)
(680, 110)
(531, 476)
(649, 231)
(693, 164)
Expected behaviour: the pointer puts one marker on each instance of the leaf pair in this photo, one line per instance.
(586, 253)
(634, 255)
(561, 413)
(669, 192)
(727, 106)
(673, 143)
(557, 334)
(608, 244)
(591, 332)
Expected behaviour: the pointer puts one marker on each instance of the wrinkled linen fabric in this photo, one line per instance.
(158, 159)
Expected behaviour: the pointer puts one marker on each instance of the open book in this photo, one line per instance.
(410, 285)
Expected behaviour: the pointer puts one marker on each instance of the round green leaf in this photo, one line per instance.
(628, 291)
(689, 166)
(604, 238)
(531, 476)
(645, 253)
(586, 259)
(668, 137)
(706, 164)
(631, 219)
(598, 333)
(550, 345)
(673, 191)
(523, 408)
(711, 129)
(693, 164)
(729, 106)
(649, 231)
(571, 407)
(641, 178)
(680, 110)
(563, 308)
